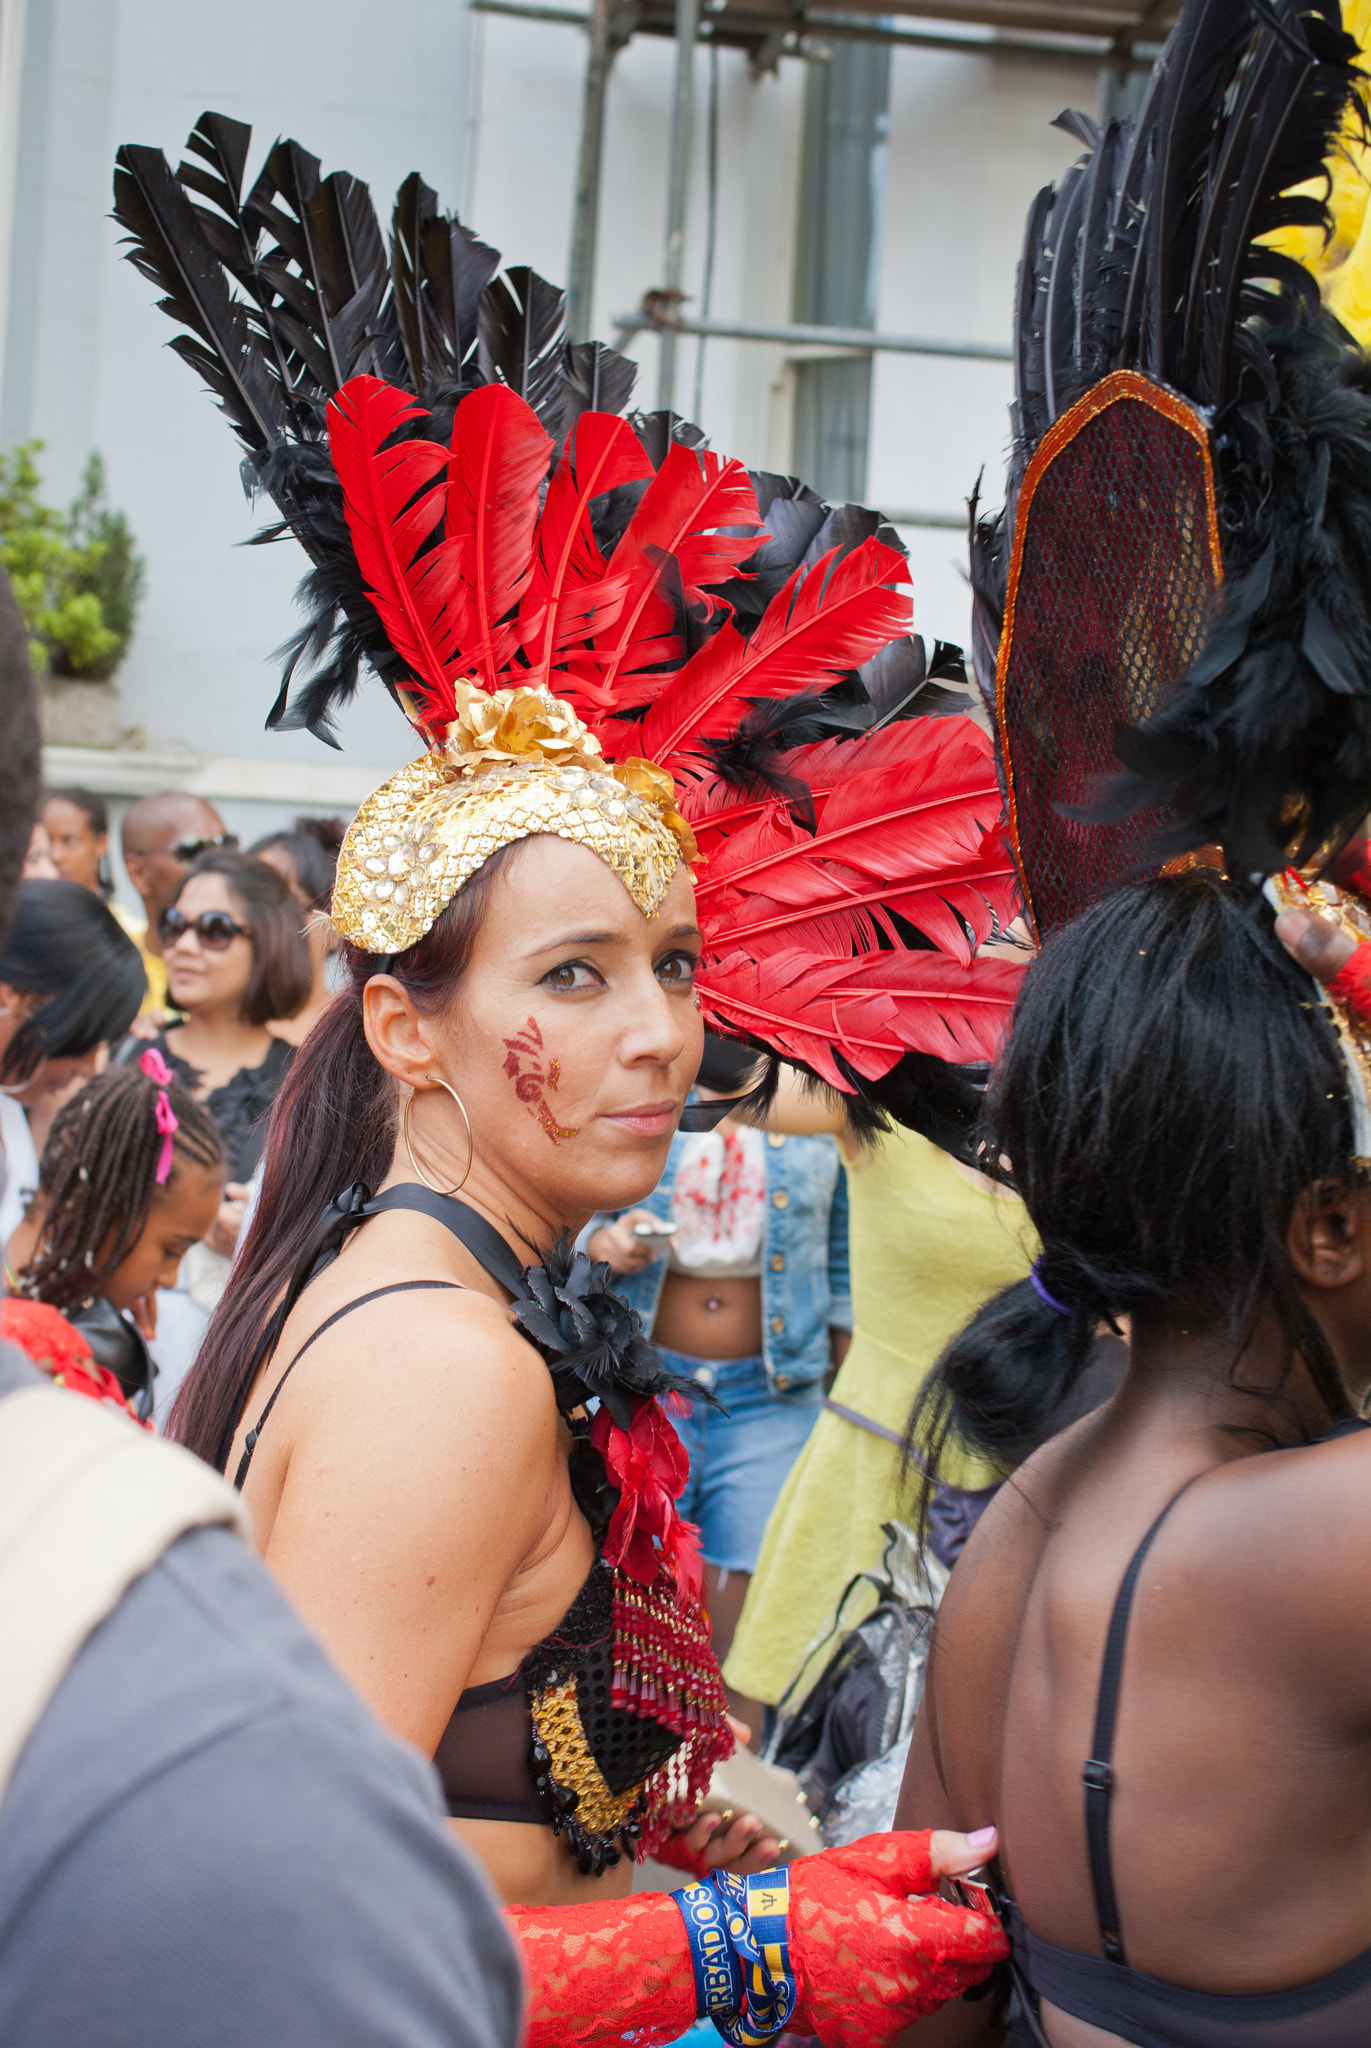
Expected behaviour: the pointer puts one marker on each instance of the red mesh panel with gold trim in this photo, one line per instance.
(1115, 563)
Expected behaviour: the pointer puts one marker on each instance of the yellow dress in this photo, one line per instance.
(154, 966)
(928, 1246)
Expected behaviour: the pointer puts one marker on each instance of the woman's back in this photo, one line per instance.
(1180, 1132)
(1240, 1807)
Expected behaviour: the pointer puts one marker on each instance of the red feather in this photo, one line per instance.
(568, 593)
(820, 626)
(391, 497)
(498, 460)
(872, 1010)
(692, 495)
(906, 820)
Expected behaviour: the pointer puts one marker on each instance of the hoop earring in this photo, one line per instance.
(471, 1149)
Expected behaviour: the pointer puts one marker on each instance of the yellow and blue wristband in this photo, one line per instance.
(740, 1953)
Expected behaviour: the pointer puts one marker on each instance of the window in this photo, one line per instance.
(842, 186)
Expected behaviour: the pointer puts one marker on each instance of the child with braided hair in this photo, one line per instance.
(131, 1177)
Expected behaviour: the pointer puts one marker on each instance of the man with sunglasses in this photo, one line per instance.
(160, 837)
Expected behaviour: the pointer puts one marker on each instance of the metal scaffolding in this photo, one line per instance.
(1111, 36)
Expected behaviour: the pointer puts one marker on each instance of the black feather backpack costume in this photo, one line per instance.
(1180, 583)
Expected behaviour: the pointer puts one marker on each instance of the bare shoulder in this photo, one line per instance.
(1300, 1518)
(424, 1374)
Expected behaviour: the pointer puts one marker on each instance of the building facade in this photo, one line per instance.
(873, 185)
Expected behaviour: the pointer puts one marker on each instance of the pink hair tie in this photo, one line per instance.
(158, 1072)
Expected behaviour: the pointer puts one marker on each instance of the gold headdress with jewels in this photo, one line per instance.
(599, 628)
(512, 764)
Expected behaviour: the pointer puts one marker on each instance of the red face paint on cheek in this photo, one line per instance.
(531, 1072)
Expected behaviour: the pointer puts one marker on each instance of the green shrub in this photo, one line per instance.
(75, 573)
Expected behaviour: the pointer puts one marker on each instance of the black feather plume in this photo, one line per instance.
(1152, 256)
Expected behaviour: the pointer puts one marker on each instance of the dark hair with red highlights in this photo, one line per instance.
(333, 1123)
(281, 973)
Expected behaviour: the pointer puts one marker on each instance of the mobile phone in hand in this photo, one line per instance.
(654, 1230)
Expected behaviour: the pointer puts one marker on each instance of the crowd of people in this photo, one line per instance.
(728, 1125)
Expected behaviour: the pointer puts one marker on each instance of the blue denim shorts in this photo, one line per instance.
(739, 1462)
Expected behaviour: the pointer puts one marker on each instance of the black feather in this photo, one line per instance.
(594, 379)
(415, 203)
(522, 321)
(1154, 246)
(169, 247)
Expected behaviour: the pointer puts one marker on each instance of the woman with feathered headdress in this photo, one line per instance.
(672, 763)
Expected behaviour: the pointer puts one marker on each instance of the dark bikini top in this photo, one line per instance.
(1333, 2011)
(555, 1743)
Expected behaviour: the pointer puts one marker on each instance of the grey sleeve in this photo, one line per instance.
(281, 1884)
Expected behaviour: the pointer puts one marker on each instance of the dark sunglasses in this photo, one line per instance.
(187, 850)
(215, 929)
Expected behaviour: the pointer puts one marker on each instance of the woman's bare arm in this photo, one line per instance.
(924, 1804)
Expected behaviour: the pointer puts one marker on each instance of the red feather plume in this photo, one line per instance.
(822, 624)
(498, 461)
(394, 506)
(872, 1009)
(569, 593)
(906, 820)
(691, 496)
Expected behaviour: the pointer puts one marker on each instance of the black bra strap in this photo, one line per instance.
(342, 1216)
(396, 1287)
(481, 1239)
(1098, 1774)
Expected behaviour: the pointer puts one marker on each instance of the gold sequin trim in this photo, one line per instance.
(557, 1723)
(428, 830)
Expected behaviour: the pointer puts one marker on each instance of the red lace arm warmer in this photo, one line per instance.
(870, 1952)
(595, 1971)
(1351, 985)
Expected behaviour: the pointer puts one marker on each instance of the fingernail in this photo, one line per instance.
(982, 1838)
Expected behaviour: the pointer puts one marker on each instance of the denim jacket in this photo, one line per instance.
(805, 1284)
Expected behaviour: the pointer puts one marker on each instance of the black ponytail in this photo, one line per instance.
(1170, 1090)
(1012, 1369)
(333, 1123)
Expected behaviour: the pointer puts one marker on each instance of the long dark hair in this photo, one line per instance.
(333, 1123)
(1169, 1091)
(98, 1180)
(65, 945)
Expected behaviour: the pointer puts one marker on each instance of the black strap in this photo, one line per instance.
(1098, 1774)
(395, 1287)
(481, 1239)
(342, 1216)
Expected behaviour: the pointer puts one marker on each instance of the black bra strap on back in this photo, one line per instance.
(396, 1287)
(1098, 1774)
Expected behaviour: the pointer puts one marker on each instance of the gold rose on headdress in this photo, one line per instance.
(651, 784)
(522, 725)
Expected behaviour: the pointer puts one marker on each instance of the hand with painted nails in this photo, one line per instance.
(872, 1949)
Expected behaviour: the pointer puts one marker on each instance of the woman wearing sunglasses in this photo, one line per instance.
(236, 961)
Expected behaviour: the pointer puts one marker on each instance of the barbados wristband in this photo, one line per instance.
(718, 1972)
(740, 1954)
